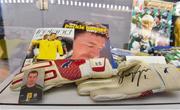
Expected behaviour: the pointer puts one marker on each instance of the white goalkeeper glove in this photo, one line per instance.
(140, 80)
(60, 72)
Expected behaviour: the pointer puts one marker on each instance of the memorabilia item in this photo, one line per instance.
(77, 40)
(48, 44)
(151, 24)
(79, 51)
(59, 72)
(141, 80)
(32, 89)
(91, 40)
(78, 55)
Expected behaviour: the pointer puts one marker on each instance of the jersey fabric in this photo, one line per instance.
(30, 94)
(48, 49)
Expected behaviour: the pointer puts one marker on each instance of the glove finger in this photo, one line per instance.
(130, 84)
(147, 80)
(107, 94)
(85, 87)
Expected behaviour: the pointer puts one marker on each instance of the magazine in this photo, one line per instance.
(76, 40)
(50, 44)
(151, 24)
(91, 40)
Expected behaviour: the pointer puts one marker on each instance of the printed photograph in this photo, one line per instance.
(91, 40)
(151, 24)
(50, 44)
(32, 89)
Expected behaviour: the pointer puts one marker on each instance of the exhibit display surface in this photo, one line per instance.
(80, 47)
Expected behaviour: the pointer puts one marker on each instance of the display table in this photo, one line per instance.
(67, 95)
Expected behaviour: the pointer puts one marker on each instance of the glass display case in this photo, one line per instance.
(19, 21)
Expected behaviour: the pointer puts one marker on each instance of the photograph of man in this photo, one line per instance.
(49, 47)
(31, 91)
(142, 39)
(88, 45)
(91, 40)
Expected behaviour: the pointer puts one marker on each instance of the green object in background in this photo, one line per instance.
(173, 56)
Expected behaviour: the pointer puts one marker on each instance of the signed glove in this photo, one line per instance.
(140, 80)
(60, 72)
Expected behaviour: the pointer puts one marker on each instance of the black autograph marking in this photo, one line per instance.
(133, 74)
(145, 77)
(166, 70)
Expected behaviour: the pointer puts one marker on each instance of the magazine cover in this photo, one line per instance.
(91, 40)
(50, 44)
(151, 24)
(83, 41)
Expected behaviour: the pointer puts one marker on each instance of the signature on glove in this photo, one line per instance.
(133, 74)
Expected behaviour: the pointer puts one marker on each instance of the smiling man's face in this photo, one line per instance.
(88, 45)
(32, 78)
